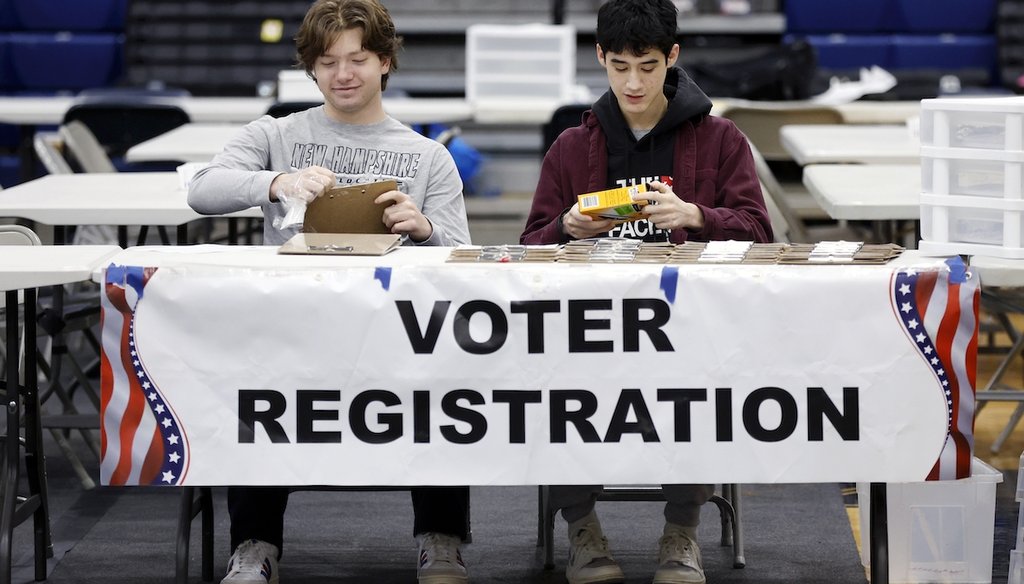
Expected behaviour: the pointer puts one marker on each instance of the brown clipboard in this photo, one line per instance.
(348, 209)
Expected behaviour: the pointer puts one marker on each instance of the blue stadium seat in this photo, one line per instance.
(72, 15)
(850, 16)
(66, 61)
(851, 51)
(7, 20)
(944, 52)
(6, 71)
(943, 16)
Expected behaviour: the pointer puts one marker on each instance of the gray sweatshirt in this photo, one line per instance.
(240, 176)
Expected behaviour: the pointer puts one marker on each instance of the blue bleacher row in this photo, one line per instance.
(62, 61)
(889, 16)
(904, 51)
(63, 15)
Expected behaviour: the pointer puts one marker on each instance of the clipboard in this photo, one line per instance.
(348, 210)
(341, 244)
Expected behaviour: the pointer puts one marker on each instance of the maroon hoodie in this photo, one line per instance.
(706, 159)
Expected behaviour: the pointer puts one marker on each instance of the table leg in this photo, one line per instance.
(35, 462)
(879, 535)
(9, 478)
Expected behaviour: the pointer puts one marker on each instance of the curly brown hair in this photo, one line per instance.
(326, 19)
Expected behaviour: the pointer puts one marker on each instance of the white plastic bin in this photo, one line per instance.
(993, 123)
(980, 173)
(939, 531)
(521, 62)
(972, 225)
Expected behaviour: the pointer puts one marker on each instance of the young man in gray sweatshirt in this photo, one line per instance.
(349, 48)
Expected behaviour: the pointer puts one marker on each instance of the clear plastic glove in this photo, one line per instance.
(295, 190)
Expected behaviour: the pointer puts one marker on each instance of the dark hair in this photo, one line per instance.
(326, 19)
(636, 26)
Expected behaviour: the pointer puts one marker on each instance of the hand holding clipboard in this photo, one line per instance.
(351, 209)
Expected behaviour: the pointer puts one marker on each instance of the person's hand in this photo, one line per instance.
(667, 211)
(580, 226)
(302, 185)
(403, 217)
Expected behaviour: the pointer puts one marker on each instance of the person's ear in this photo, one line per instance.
(600, 55)
(673, 55)
(385, 65)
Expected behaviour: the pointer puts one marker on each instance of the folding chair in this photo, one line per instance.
(18, 383)
(728, 503)
(761, 125)
(92, 157)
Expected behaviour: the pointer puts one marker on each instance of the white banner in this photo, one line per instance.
(535, 374)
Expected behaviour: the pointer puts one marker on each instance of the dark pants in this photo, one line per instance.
(258, 512)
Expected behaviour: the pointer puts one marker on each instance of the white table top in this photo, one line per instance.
(999, 272)
(856, 112)
(266, 256)
(49, 110)
(126, 198)
(200, 142)
(194, 142)
(842, 143)
(518, 111)
(869, 192)
(35, 266)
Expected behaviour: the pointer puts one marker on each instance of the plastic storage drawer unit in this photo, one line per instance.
(520, 62)
(939, 531)
(994, 123)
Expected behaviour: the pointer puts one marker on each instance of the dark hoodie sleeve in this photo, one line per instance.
(551, 200)
(740, 211)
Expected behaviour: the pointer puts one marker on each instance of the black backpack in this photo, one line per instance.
(784, 72)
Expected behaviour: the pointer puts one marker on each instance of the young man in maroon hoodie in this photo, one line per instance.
(652, 127)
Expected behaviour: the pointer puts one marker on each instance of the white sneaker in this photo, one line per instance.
(254, 562)
(679, 559)
(440, 560)
(590, 561)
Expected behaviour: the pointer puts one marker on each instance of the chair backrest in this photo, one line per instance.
(49, 149)
(18, 235)
(790, 226)
(284, 108)
(563, 118)
(119, 125)
(780, 226)
(761, 124)
(86, 148)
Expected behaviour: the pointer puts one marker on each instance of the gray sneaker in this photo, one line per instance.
(254, 562)
(440, 561)
(590, 560)
(679, 559)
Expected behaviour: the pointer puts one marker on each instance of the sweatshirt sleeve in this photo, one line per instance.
(237, 178)
(544, 223)
(443, 203)
(740, 212)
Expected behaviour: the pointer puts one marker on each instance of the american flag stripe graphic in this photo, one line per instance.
(142, 441)
(938, 308)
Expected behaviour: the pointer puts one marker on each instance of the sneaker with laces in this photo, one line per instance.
(679, 559)
(440, 561)
(590, 561)
(254, 562)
